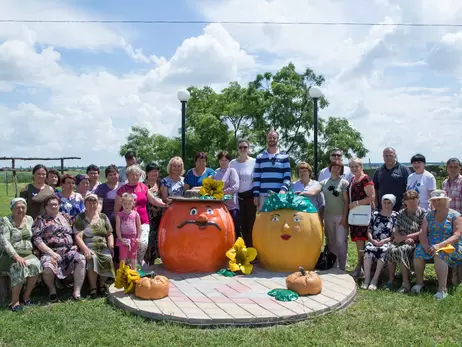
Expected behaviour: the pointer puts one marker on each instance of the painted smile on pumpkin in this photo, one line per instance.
(199, 224)
(285, 237)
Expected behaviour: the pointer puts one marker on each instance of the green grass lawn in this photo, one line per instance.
(379, 318)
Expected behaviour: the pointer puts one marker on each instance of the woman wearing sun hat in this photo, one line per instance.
(440, 240)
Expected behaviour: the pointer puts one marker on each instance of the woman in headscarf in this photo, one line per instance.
(379, 235)
(16, 255)
(440, 240)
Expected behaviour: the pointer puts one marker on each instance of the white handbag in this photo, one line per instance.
(359, 215)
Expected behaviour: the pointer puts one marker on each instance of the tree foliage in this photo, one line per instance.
(280, 101)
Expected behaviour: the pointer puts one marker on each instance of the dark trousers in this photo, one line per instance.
(248, 212)
(235, 215)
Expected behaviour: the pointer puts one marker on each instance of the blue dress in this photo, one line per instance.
(71, 206)
(194, 181)
(439, 232)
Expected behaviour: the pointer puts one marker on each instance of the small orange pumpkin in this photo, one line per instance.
(304, 283)
(152, 288)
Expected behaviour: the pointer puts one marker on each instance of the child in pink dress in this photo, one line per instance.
(128, 230)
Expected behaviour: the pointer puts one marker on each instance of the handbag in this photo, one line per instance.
(359, 215)
(326, 260)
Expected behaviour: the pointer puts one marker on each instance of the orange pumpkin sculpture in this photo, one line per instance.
(152, 288)
(287, 233)
(194, 235)
(304, 283)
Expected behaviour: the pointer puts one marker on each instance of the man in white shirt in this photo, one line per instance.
(335, 154)
(422, 181)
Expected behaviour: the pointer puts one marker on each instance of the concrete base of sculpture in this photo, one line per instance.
(214, 300)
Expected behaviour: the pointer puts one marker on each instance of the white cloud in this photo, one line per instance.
(382, 78)
(387, 80)
(212, 58)
(89, 114)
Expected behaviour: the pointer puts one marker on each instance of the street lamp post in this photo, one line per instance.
(315, 93)
(183, 96)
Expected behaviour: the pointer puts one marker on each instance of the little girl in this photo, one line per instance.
(128, 230)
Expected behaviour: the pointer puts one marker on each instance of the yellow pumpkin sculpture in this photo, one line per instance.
(304, 283)
(287, 233)
(152, 288)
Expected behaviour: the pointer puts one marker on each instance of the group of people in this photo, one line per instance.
(68, 226)
(395, 218)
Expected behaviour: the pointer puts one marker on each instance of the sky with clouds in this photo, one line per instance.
(76, 89)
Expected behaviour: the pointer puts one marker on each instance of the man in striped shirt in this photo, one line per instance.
(271, 171)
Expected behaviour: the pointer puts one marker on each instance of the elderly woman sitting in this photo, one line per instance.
(379, 235)
(404, 238)
(440, 241)
(16, 256)
(52, 235)
(94, 238)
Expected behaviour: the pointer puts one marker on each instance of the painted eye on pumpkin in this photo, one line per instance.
(209, 211)
(297, 219)
(275, 218)
(193, 211)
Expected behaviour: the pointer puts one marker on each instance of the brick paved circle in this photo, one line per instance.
(211, 299)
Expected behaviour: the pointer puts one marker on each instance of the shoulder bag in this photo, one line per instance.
(361, 214)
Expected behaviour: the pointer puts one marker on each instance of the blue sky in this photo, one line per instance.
(75, 89)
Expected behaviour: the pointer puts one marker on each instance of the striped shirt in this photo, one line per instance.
(271, 172)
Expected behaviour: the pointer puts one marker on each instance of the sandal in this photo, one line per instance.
(103, 290)
(372, 287)
(17, 308)
(388, 286)
(403, 290)
(29, 303)
(53, 297)
(364, 285)
(77, 298)
(417, 288)
(93, 293)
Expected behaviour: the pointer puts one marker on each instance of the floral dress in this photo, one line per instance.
(155, 214)
(56, 233)
(95, 238)
(381, 228)
(357, 191)
(174, 188)
(439, 232)
(17, 241)
(407, 223)
(71, 206)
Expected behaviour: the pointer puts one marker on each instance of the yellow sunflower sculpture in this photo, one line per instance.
(212, 189)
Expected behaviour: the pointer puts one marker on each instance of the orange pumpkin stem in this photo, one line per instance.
(302, 270)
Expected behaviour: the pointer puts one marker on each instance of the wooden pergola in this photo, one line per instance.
(13, 165)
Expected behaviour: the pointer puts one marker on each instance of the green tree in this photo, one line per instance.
(280, 101)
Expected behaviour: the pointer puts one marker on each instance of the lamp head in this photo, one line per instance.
(183, 95)
(315, 92)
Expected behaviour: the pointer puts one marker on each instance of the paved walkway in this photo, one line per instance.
(211, 299)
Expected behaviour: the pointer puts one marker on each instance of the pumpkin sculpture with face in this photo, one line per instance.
(194, 235)
(287, 233)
